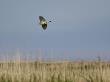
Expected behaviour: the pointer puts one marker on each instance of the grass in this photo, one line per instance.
(43, 71)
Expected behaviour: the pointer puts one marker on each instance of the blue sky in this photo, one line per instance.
(78, 25)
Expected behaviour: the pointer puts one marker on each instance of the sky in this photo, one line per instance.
(80, 28)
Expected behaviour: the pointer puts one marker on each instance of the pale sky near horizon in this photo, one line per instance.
(78, 25)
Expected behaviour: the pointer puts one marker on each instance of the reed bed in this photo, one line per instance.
(54, 71)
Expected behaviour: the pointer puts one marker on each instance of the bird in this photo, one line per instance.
(43, 22)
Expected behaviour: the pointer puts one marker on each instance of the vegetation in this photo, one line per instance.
(54, 71)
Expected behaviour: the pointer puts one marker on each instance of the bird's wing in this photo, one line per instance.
(44, 26)
(41, 18)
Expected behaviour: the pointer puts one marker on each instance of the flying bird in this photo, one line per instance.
(43, 22)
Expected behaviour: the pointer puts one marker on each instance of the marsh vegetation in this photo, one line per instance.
(54, 71)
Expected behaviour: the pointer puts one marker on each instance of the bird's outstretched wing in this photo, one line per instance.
(41, 18)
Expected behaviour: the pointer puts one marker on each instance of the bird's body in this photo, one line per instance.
(43, 22)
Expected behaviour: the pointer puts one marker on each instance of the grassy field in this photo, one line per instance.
(54, 71)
